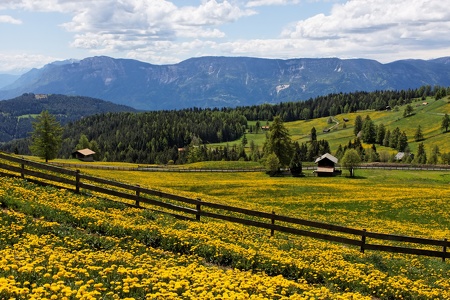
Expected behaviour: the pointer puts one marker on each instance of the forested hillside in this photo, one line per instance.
(153, 136)
(334, 104)
(16, 115)
(185, 135)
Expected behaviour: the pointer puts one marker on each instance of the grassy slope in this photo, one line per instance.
(428, 116)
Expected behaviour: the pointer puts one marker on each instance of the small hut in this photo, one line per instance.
(402, 155)
(326, 166)
(84, 154)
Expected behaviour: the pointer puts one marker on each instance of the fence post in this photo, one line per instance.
(444, 250)
(272, 221)
(363, 241)
(138, 194)
(77, 182)
(199, 209)
(22, 169)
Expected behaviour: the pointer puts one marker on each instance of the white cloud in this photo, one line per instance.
(10, 20)
(160, 31)
(18, 63)
(45, 5)
(136, 23)
(256, 3)
(374, 27)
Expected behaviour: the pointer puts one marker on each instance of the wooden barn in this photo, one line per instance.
(84, 154)
(326, 166)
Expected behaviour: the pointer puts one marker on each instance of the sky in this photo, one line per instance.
(34, 33)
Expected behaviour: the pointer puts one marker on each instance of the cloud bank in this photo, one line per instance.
(160, 31)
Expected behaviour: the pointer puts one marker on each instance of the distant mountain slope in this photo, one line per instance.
(16, 115)
(7, 79)
(224, 81)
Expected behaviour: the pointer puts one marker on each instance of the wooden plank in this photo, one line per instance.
(37, 164)
(134, 198)
(49, 177)
(409, 239)
(42, 183)
(319, 225)
(142, 190)
(170, 196)
(395, 249)
(11, 158)
(10, 168)
(9, 175)
(108, 182)
(237, 209)
(297, 221)
(317, 235)
(282, 229)
(49, 168)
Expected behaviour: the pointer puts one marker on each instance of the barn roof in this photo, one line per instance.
(328, 156)
(85, 152)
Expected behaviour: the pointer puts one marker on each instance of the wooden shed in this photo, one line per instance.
(84, 154)
(326, 166)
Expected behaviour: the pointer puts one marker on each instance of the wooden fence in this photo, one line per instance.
(37, 172)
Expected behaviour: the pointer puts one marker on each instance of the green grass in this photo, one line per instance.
(428, 116)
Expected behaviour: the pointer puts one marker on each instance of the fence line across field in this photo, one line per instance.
(270, 221)
(160, 168)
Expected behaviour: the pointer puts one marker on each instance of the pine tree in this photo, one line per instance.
(358, 125)
(418, 136)
(402, 142)
(381, 132)
(279, 142)
(313, 134)
(408, 111)
(421, 155)
(296, 164)
(445, 123)
(369, 133)
(46, 136)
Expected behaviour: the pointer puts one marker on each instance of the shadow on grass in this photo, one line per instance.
(355, 177)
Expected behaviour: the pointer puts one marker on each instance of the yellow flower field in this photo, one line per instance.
(396, 202)
(57, 245)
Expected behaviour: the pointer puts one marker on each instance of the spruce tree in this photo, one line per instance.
(445, 123)
(279, 142)
(418, 136)
(46, 136)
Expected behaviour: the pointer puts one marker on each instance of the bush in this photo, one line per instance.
(272, 165)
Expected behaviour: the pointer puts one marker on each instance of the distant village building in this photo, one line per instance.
(40, 96)
(402, 155)
(265, 127)
(326, 166)
(84, 154)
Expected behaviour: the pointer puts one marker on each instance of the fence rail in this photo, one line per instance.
(179, 204)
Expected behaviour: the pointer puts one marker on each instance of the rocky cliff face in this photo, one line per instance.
(224, 81)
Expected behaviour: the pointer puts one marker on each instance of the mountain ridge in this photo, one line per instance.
(17, 115)
(219, 81)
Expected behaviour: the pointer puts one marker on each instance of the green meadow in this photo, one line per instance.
(428, 116)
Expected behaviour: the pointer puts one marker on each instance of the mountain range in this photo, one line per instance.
(223, 81)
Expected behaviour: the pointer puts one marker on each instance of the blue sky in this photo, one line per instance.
(34, 33)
